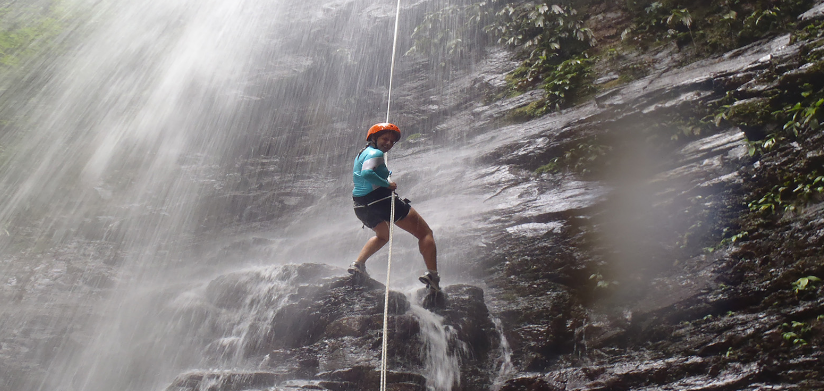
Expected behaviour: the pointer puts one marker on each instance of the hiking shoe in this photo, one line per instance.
(357, 269)
(432, 281)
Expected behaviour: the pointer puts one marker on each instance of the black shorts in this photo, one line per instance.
(372, 213)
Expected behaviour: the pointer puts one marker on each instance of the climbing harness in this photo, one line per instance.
(393, 195)
(391, 213)
(376, 201)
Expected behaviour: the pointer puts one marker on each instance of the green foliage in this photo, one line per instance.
(552, 36)
(810, 31)
(635, 70)
(544, 28)
(732, 239)
(581, 159)
(688, 127)
(803, 115)
(759, 146)
(753, 21)
(26, 32)
(564, 83)
(550, 167)
(750, 112)
(795, 332)
(554, 39)
(601, 282)
(739, 236)
(568, 81)
(804, 283)
(680, 17)
(758, 23)
(413, 137)
(30, 33)
(715, 27)
(797, 117)
(795, 190)
(660, 20)
(532, 110)
(451, 30)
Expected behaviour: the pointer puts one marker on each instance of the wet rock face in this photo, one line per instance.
(48, 302)
(324, 331)
(657, 275)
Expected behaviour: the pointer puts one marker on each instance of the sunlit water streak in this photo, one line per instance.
(503, 364)
(442, 350)
(139, 119)
(117, 146)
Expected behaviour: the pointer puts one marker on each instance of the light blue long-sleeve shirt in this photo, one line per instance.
(370, 172)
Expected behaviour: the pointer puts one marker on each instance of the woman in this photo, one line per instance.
(373, 196)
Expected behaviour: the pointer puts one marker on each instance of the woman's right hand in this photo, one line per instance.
(393, 186)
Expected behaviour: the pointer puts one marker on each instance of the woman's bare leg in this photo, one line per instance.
(374, 243)
(415, 224)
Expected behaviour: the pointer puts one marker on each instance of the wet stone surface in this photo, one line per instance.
(635, 285)
(308, 327)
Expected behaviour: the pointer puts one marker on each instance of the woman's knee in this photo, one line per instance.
(423, 229)
(382, 232)
(424, 233)
(415, 225)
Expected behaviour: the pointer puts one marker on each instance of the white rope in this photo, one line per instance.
(386, 296)
(391, 214)
(392, 66)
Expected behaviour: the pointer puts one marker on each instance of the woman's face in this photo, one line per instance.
(386, 141)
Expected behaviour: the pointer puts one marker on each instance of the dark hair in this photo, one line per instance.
(363, 149)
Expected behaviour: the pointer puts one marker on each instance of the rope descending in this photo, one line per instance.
(392, 66)
(386, 296)
(391, 213)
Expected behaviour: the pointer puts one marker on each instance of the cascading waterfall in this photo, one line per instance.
(145, 89)
(128, 158)
(227, 321)
(503, 365)
(118, 147)
(112, 151)
(442, 350)
(246, 321)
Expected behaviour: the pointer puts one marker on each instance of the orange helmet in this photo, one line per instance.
(377, 128)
